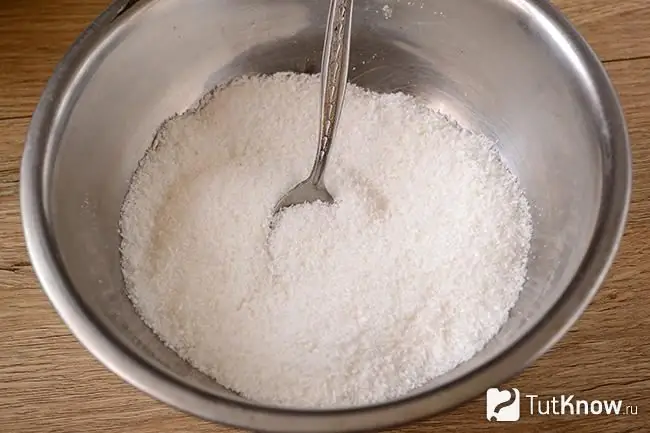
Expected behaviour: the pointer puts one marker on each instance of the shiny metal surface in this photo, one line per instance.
(514, 70)
(334, 77)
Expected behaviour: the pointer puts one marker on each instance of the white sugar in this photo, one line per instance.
(408, 274)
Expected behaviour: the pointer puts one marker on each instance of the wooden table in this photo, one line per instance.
(49, 383)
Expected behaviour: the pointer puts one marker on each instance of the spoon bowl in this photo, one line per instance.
(305, 192)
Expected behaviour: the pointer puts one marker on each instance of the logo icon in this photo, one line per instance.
(502, 405)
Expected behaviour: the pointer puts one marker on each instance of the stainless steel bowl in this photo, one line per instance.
(514, 70)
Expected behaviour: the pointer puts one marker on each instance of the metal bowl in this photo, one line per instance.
(514, 70)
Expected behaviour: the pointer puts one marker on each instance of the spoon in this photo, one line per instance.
(334, 75)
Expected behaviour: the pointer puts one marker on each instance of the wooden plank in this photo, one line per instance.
(34, 35)
(616, 30)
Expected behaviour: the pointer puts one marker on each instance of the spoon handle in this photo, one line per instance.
(334, 76)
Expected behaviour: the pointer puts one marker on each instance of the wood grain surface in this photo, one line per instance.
(49, 383)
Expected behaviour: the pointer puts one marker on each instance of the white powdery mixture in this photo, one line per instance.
(408, 274)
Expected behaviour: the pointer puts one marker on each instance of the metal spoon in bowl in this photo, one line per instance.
(334, 75)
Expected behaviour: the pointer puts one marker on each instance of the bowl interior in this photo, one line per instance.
(498, 67)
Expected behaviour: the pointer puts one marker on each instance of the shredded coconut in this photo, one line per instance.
(388, 11)
(410, 272)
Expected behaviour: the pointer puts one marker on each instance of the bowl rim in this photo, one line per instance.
(160, 385)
